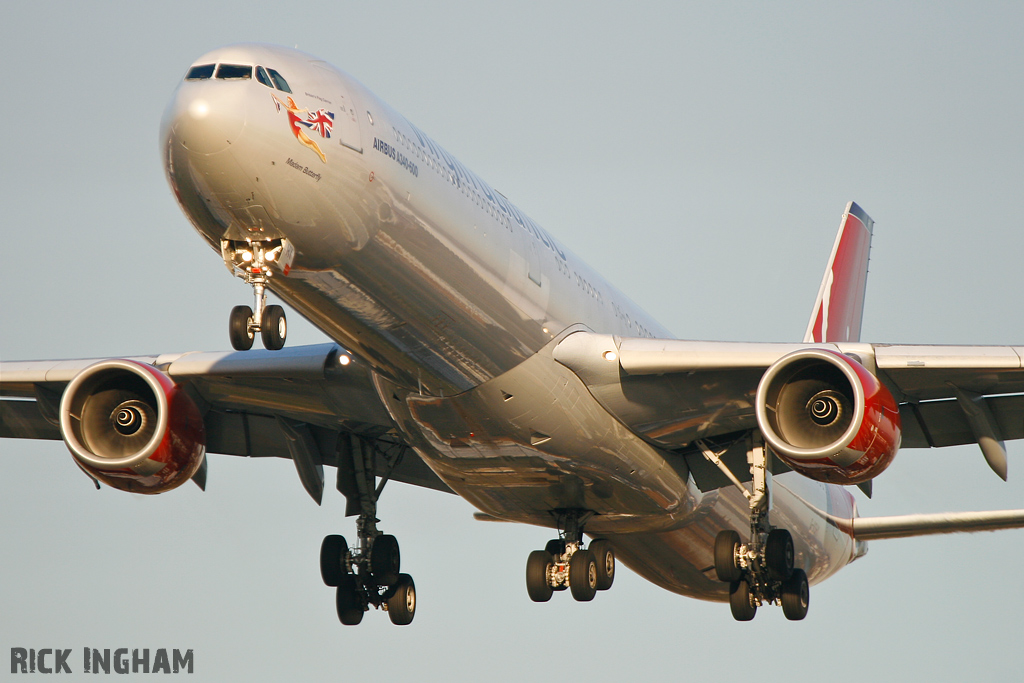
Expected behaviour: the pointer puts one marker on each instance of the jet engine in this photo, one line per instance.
(129, 426)
(827, 417)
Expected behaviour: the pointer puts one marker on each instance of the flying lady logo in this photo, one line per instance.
(320, 121)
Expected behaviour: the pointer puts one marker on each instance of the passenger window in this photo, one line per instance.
(234, 72)
(279, 81)
(199, 73)
(262, 77)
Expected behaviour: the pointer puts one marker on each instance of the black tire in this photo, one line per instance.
(779, 554)
(604, 556)
(796, 596)
(347, 600)
(238, 328)
(385, 560)
(274, 328)
(537, 585)
(743, 609)
(402, 603)
(556, 546)
(583, 576)
(725, 556)
(332, 559)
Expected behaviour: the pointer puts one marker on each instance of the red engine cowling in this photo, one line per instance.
(827, 417)
(128, 425)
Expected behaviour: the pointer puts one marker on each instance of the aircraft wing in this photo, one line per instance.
(253, 403)
(675, 392)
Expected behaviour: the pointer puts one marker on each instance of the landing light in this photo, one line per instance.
(344, 360)
(271, 256)
(199, 109)
(609, 356)
(247, 256)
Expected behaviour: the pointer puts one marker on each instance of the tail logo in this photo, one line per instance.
(840, 306)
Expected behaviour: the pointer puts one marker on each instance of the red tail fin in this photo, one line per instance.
(840, 305)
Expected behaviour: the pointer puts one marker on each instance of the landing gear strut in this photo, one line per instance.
(255, 262)
(565, 563)
(761, 571)
(368, 574)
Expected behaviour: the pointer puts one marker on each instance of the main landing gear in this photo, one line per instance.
(253, 261)
(366, 575)
(761, 571)
(565, 563)
(369, 573)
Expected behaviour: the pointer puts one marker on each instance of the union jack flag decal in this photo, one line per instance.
(321, 121)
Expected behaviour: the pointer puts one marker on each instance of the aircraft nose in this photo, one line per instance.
(206, 117)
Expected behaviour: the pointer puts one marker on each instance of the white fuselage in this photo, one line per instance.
(455, 298)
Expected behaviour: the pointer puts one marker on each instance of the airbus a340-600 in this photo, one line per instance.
(474, 354)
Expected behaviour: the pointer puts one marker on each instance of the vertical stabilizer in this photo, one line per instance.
(840, 306)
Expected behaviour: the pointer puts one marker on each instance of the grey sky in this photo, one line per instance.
(698, 155)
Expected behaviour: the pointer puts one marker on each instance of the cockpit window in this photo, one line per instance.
(199, 73)
(234, 72)
(262, 77)
(279, 81)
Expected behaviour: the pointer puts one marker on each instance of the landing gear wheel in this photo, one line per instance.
(796, 596)
(725, 556)
(238, 328)
(743, 608)
(604, 556)
(273, 328)
(350, 608)
(556, 548)
(537, 585)
(385, 560)
(583, 575)
(402, 603)
(332, 559)
(779, 554)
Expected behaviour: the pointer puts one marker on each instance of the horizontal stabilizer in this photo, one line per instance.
(904, 526)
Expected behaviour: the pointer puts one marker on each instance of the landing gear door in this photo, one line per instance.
(334, 97)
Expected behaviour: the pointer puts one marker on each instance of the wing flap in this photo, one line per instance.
(930, 372)
(935, 424)
(22, 419)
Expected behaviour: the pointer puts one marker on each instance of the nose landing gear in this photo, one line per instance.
(256, 262)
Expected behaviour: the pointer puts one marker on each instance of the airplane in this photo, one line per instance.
(474, 354)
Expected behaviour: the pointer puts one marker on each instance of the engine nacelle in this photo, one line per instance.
(827, 417)
(128, 425)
